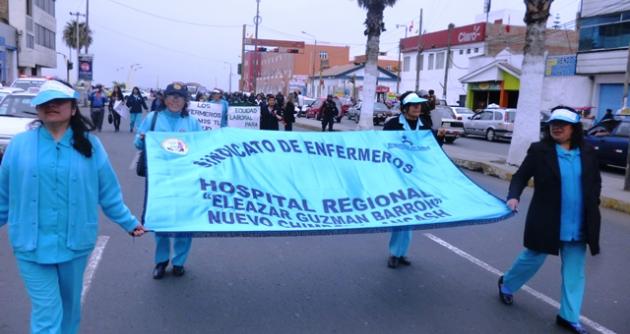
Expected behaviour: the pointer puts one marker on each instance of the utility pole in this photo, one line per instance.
(448, 59)
(399, 55)
(256, 22)
(76, 36)
(241, 83)
(419, 52)
(624, 107)
(87, 20)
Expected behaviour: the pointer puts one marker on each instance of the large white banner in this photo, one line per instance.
(209, 115)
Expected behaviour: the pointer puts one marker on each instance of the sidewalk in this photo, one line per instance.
(613, 196)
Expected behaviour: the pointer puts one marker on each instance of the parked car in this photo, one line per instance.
(31, 84)
(314, 108)
(5, 91)
(380, 114)
(446, 118)
(610, 139)
(461, 113)
(308, 101)
(16, 115)
(491, 123)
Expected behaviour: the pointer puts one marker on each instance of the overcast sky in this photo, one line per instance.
(196, 40)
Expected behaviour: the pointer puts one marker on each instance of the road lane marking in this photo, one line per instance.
(538, 295)
(92, 264)
(134, 161)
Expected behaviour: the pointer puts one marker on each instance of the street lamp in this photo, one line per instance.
(230, 78)
(68, 64)
(404, 26)
(313, 60)
(132, 68)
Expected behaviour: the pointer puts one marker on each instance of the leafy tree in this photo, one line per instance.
(70, 37)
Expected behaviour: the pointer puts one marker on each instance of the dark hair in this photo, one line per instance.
(577, 136)
(133, 91)
(118, 92)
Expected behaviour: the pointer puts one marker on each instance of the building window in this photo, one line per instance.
(439, 61)
(29, 7)
(406, 63)
(323, 54)
(605, 32)
(44, 37)
(461, 51)
(30, 41)
(431, 59)
(46, 5)
(467, 51)
(421, 62)
(476, 50)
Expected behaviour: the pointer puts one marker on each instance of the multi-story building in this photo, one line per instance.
(285, 72)
(469, 45)
(36, 34)
(604, 31)
(8, 46)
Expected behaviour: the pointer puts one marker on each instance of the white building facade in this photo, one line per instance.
(602, 55)
(36, 34)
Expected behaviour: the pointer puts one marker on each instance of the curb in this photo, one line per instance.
(491, 170)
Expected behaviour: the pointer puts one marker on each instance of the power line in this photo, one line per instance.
(169, 19)
(161, 47)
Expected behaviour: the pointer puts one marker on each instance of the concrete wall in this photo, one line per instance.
(572, 91)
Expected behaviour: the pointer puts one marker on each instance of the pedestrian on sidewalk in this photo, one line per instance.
(117, 96)
(288, 114)
(270, 114)
(563, 217)
(173, 118)
(409, 120)
(217, 98)
(328, 112)
(49, 199)
(97, 107)
(136, 104)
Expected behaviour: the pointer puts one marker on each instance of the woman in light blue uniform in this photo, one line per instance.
(173, 118)
(411, 119)
(49, 197)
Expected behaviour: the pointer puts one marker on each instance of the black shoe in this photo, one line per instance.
(159, 270)
(393, 262)
(178, 271)
(403, 261)
(574, 328)
(505, 298)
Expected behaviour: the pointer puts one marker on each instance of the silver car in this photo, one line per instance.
(492, 124)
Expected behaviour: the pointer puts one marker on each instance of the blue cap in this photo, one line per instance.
(413, 98)
(564, 115)
(51, 90)
(176, 88)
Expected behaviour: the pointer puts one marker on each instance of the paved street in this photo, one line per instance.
(329, 284)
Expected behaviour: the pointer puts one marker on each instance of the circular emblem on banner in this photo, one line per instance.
(175, 145)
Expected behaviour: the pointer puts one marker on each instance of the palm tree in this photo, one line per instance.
(374, 26)
(527, 122)
(70, 37)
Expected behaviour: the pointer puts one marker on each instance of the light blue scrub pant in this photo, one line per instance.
(55, 291)
(399, 243)
(573, 256)
(134, 118)
(181, 247)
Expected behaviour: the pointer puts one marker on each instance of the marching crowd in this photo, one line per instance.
(49, 200)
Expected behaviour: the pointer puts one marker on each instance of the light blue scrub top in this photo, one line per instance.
(53, 216)
(571, 214)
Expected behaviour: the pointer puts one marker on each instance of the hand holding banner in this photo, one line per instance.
(121, 109)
